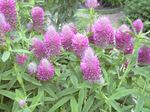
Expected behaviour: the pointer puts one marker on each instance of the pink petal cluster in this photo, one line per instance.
(91, 3)
(45, 70)
(138, 25)
(124, 40)
(104, 32)
(79, 44)
(52, 42)
(66, 37)
(38, 18)
(38, 48)
(22, 103)
(90, 66)
(73, 28)
(4, 26)
(32, 68)
(21, 59)
(8, 8)
(91, 37)
(144, 55)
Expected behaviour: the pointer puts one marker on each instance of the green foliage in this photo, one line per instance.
(112, 3)
(138, 9)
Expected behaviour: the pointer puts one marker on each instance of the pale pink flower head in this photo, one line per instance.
(104, 32)
(138, 25)
(22, 102)
(38, 48)
(144, 55)
(8, 8)
(32, 68)
(66, 37)
(91, 3)
(52, 42)
(90, 66)
(38, 18)
(4, 26)
(73, 27)
(79, 44)
(21, 59)
(45, 70)
(124, 40)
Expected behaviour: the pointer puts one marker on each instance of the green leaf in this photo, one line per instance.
(88, 104)
(59, 103)
(21, 51)
(74, 105)
(8, 94)
(74, 80)
(82, 95)
(121, 92)
(36, 100)
(15, 106)
(5, 56)
(139, 105)
(115, 105)
(31, 80)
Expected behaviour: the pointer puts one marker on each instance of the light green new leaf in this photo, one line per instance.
(74, 105)
(5, 56)
(139, 105)
(82, 95)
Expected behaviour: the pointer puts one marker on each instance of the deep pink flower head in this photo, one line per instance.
(104, 32)
(138, 25)
(21, 59)
(4, 26)
(32, 68)
(38, 18)
(8, 8)
(45, 70)
(38, 48)
(66, 37)
(124, 40)
(52, 42)
(79, 44)
(91, 3)
(144, 55)
(90, 66)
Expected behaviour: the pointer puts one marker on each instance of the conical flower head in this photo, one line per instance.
(52, 42)
(104, 32)
(21, 59)
(38, 48)
(90, 66)
(124, 40)
(4, 26)
(79, 44)
(8, 8)
(91, 3)
(138, 25)
(38, 18)
(45, 70)
(32, 68)
(66, 37)
(144, 55)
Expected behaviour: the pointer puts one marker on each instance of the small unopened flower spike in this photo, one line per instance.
(138, 25)
(21, 59)
(45, 70)
(38, 18)
(90, 66)
(124, 40)
(104, 32)
(38, 48)
(52, 42)
(8, 8)
(32, 68)
(144, 55)
(91, 3)
(66, 37)
(79, 44)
